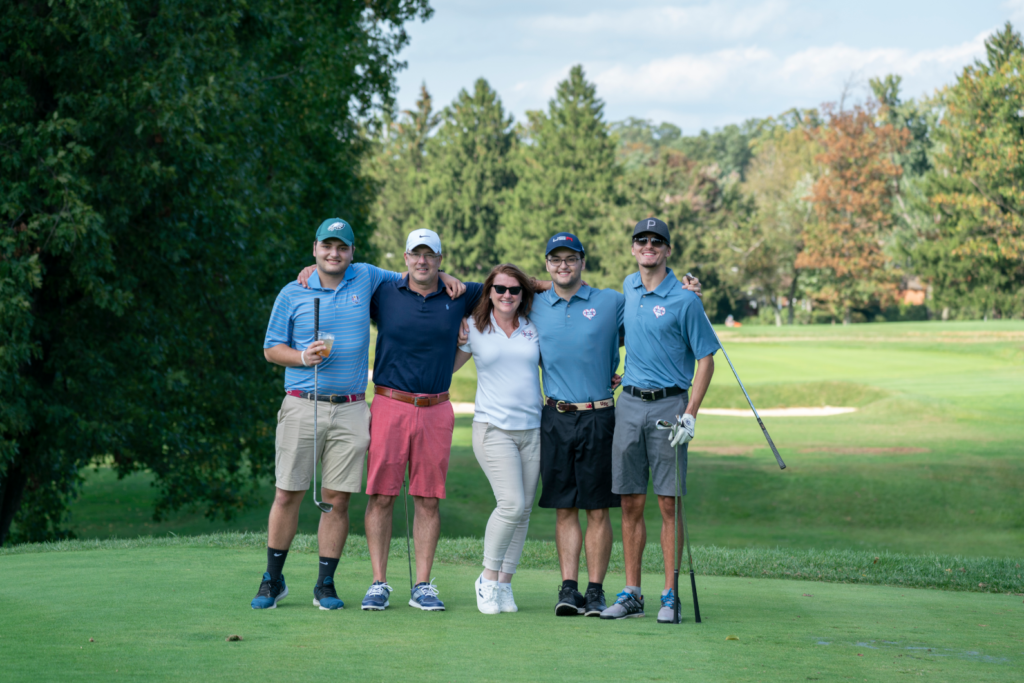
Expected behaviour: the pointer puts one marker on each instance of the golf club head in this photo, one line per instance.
(326, 507)
(663, 424)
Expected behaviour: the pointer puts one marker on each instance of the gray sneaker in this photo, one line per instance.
(667, 613)
(627, 605)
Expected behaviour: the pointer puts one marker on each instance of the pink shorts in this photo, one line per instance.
(402, 434)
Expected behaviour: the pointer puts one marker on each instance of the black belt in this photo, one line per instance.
(327, 398)
(653, 394)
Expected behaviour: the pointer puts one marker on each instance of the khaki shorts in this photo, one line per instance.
(343, 435)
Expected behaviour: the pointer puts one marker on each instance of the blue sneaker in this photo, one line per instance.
(377, 597)
(667, 613)
(325, 596)
(424, 596)
(270, 593)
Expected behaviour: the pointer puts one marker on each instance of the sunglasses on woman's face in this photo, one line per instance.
(655, 241)
(501, 289)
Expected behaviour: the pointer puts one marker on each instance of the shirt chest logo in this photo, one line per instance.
(659, 311)
(529, 334)
(589, 313)
(355, 298)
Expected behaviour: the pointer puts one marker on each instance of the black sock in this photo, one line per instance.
(571, 584)
(591, 586)
(275, 562)
(327, 567)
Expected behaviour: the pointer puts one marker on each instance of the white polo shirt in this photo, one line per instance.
(508, 379)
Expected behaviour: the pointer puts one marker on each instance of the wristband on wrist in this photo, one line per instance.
(302, 357)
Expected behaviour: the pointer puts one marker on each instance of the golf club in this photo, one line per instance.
(408, 550)
(778, 458)
(677, 515)
(325, 507)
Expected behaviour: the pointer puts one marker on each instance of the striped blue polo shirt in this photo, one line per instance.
(344, 312)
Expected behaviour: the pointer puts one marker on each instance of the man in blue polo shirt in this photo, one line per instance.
(345, 290)
(579, 329)
(666, 331)
(417, 331)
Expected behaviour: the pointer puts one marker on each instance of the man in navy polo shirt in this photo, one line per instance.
(417, 331)
(579, 329)
(666, 331)
(344, 289)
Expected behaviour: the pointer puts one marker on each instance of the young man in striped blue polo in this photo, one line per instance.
(343, 430)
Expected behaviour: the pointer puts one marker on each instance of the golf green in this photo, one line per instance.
(153, 614)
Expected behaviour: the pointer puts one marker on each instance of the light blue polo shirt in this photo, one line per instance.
(579, 342)
(344, 312)
(666, 332)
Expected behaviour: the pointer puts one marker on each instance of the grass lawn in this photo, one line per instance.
(152, 613)
(931, 462)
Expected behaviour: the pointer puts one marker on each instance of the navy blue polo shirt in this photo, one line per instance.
(666, 332)
(579, 342)
(417, 336)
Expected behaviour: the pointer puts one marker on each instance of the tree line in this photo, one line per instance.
(887, 208)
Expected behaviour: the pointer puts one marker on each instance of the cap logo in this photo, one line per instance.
(336, 226)
(563, 238)
(651, 223)
(589, 313)
(659, 311)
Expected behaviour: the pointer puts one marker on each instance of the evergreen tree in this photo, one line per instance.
(397, 169)
(468, 172)
(972, 251)
(567, 171)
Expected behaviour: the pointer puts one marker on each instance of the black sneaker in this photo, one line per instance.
(570, 602)
(594, 602)
(270, 593)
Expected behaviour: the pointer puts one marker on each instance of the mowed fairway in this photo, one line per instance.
(159, 614)
(931, 462)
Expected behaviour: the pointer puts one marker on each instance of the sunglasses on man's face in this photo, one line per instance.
(655, 241)
(501, 289)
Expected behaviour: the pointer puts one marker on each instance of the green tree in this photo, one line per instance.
(972, 249)
(468, 173)
(397, 169)
(164, 166)
(566, 173)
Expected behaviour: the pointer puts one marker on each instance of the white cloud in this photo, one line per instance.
(716, 20)
(804, 78)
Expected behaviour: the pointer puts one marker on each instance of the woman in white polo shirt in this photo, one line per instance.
(506, 426)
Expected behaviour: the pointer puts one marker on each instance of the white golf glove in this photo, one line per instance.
(682, 430)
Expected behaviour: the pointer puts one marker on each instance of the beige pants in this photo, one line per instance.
(343, 435)
(511, 461)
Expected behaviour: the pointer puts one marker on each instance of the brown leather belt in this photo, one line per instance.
(418, 400)
(329, 398)
(563, 407)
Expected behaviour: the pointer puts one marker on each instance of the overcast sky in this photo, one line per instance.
(698, 64)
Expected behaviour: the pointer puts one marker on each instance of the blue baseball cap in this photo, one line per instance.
(652, 225)
(336, 228)
(567, 240)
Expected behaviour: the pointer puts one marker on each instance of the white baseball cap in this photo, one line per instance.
(427, 237)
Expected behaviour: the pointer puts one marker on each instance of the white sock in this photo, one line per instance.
(509, 584)
(487, 581)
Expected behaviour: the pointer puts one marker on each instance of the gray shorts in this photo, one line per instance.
(641, 450)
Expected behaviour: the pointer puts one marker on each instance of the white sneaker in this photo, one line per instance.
(506, 603)
(486, 596)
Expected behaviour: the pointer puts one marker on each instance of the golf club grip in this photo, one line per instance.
(675, 608)
(316, 318)
(778, 458)
(696, 605)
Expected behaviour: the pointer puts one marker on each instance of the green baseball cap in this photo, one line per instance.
(336, 228)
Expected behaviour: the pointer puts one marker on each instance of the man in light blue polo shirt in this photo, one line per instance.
(666, 332)
(579, 329)
(345, 290)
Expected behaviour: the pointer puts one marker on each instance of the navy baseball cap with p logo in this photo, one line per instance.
(564, 239)
(652, 225)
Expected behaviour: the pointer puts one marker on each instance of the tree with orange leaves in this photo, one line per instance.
(853, 200)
